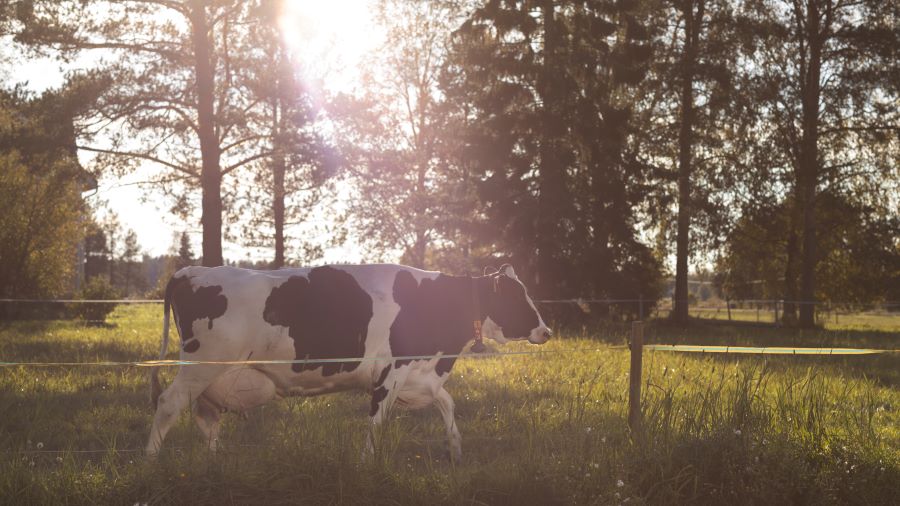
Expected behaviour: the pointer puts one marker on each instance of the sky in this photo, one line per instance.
(334, 36)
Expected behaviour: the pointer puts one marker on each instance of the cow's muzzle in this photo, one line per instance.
(540, 335)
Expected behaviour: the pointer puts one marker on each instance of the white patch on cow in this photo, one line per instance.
(491, 330)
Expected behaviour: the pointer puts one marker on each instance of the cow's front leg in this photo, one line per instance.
(445, 405)
(387, 388)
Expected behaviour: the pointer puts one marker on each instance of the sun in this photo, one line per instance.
(331, 37)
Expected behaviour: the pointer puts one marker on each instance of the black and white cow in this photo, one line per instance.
(375, 312)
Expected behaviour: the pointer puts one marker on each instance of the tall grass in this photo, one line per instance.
(537, 429)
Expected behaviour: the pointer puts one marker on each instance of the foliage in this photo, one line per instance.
(409, 191)
(860, 259)
(94, 289)
(41, 211)
(177, 91)
(543, 96)
(295, 174)
(822, 78)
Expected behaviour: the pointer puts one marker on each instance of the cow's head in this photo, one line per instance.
(511, 315)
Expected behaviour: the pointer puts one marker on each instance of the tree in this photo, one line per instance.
(826, 73)
(545, 94)
(860, 258)
(688, 114)
(185, 252)
(132, 278)
(171, 87)
(394, 134)
(301, 160)
(41, 210)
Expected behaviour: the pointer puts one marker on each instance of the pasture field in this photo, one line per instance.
(537, 429)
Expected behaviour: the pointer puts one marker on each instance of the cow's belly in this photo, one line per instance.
(241, 389)
(313, 379)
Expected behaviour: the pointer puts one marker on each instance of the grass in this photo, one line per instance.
(538, 429)
(832, 319)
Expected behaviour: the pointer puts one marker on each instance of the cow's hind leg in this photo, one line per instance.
(445, 405)
(187, 387)
(208, 417)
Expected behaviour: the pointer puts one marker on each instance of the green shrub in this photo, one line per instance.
(95, 313)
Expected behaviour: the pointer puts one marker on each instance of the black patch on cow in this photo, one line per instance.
(327, 315)
(383, 376)
(435, 316)
(191, 346)
(190, 305)
(380, 391)
(377, 396)
(508, 307)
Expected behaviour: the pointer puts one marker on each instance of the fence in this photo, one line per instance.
(564, 311)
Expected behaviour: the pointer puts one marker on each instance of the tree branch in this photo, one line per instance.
(141, 156)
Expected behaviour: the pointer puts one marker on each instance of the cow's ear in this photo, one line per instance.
(508, 270)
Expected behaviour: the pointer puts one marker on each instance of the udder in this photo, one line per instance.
(241, 389)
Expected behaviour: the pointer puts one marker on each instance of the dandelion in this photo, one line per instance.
(618, 495)
(737, 432)
(620, 483)
(603, 439)
(40, 445)
(588, 430)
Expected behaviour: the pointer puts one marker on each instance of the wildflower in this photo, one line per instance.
(40, 445)
(603, 439)
(737, 432)
(620, 483)
(618, 495)
(59, 459)
(588, 430)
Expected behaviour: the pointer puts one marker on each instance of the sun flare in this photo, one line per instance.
(330, 37)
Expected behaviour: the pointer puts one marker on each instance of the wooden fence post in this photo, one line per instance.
(634, 383)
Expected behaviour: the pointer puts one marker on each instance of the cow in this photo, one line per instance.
(405, 325)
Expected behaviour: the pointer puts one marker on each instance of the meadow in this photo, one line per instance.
(537, 429)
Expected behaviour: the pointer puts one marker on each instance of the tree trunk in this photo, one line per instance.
(278, 169)
(809, 162)
(789, 314)
(692, 27)
(550, 171)
(210, 174)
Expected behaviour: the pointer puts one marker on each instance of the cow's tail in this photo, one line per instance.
(155, 385)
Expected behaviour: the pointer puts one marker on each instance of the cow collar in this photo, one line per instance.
(478, 347)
